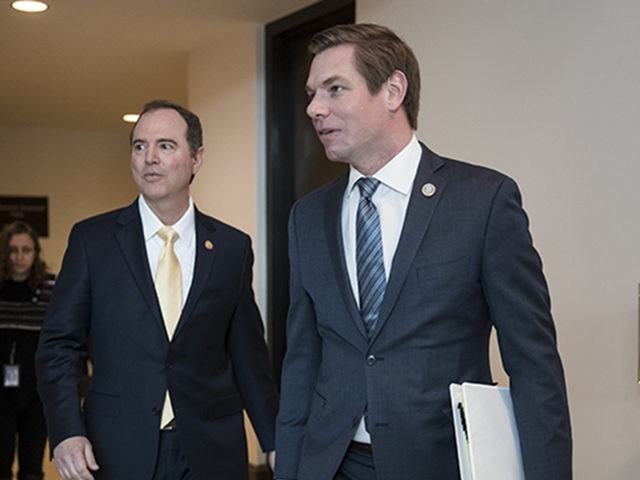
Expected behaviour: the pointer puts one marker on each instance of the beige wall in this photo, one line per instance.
(82, 173)
(548, 92)
(223, 90)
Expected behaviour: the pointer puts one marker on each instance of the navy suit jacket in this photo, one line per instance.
(215, 366)
(464, 263)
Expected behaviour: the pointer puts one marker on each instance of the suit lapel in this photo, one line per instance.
(131, 241)
(333, 229)
(416, 223)
(206, 251)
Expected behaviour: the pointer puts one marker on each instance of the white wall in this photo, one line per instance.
(549, 92)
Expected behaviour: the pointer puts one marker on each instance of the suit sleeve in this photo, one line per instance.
(300, 367)
(250, 359)
(518, 299)
(63, 344)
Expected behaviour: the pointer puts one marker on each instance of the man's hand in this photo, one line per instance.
(271, 460)
(74, 458)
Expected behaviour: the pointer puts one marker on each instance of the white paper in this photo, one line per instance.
(493, 448)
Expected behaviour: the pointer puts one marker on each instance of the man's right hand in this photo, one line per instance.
(74, 458)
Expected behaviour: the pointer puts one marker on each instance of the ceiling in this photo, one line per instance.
(84, 63)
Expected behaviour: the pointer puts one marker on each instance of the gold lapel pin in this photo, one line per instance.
(208, 245)
(428, 190)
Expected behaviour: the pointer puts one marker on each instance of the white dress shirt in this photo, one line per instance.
(184, 247)
(391, 199)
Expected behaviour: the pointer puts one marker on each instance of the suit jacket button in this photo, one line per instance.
(371, 359)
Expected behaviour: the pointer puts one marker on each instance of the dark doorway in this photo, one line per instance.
(296, 163)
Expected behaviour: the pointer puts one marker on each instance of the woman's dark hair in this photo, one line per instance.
(39, 268)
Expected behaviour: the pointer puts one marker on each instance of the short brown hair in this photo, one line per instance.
(194, 127)
(378, 53)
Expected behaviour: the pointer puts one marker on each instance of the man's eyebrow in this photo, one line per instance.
(160, 140)
(332, 79)
(165, 140)
(325, 83)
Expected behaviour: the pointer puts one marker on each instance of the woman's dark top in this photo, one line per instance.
(22, 311)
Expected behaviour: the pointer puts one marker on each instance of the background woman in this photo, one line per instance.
(25, 288)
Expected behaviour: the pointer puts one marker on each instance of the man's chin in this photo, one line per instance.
(336, 157)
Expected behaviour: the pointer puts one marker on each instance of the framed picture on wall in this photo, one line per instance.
(30, 209)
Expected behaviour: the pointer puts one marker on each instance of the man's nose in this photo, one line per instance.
(152, 155)
(316, 108)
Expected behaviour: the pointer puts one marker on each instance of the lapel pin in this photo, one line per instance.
(208, 245)
(428, 190)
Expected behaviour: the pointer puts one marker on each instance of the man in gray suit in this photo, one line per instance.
(399, 271)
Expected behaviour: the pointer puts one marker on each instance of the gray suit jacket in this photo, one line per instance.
(464, 264)
(215, 366)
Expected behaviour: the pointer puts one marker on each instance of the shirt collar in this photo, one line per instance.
(398, 173)
(151, 224)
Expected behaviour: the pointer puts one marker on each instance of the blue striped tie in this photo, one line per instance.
(369, 258)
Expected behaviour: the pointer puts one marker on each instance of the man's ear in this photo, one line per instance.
(198, 158)
(396, 86)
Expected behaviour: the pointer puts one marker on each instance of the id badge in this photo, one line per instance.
(11, 376)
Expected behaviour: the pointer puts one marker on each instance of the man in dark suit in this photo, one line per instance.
(166, 399)
(399, 271)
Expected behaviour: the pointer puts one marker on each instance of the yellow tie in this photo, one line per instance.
(169, 291)
(169, 281)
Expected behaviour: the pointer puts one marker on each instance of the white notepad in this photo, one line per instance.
(486, 433)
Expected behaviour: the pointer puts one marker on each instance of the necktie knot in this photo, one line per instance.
(168, 234)
(368, 186)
